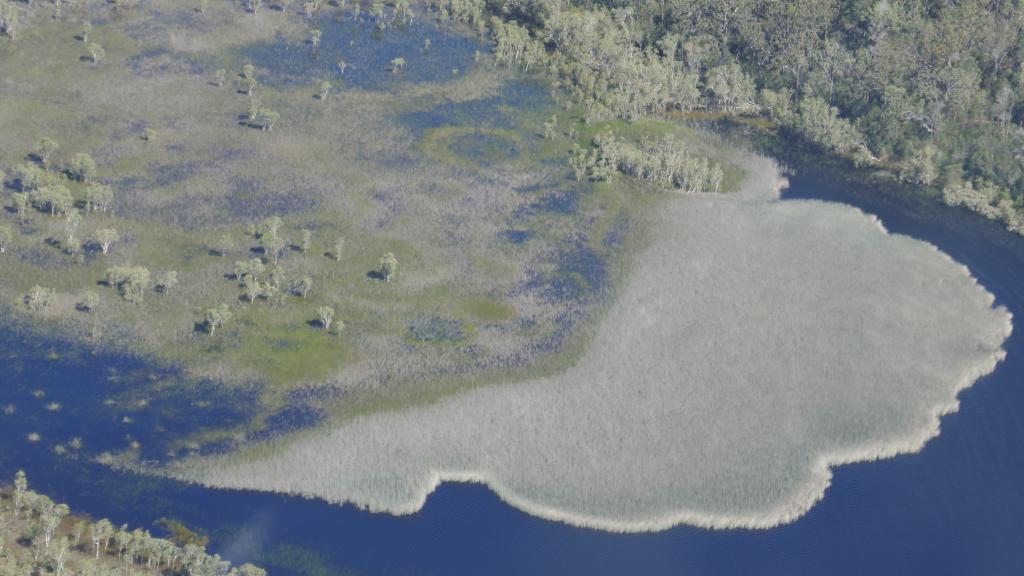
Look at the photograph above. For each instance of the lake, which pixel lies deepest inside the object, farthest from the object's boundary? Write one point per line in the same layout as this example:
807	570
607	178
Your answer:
955	508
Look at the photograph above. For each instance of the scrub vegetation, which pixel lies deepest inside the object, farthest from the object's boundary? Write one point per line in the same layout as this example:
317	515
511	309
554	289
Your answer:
757	343
929	93
41	537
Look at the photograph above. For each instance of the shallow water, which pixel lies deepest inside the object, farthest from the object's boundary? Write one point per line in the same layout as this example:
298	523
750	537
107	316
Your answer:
955	508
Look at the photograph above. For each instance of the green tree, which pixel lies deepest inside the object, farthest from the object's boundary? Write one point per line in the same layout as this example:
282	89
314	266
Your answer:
105	237
223	245
325	314
267	119
255	5
397	64
217	317
130	281
83	167
149	134
387	267
45	149
314	37
83	32
219	77
90	300
21	201
302	286
166	281
98	197
96	52
72	221
39	299
248	71
338	248
20	491
5	238
307	238
325	88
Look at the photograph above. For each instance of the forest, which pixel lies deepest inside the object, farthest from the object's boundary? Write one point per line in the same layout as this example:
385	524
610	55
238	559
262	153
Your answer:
929	93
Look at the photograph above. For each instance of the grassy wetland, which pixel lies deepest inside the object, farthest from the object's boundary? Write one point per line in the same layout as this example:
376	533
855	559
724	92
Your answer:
223	149
460	274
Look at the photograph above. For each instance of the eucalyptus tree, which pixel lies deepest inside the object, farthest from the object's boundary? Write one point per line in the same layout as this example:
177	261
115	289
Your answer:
96	52
325	88
29	176
338	247
397	64
251	570
341	65
314	37
219	77
253	288
249	84
72	221
309	8
223	245
38	298
8	20
252	111
267	119
45	150
5	238
271	225
302	286
217	317
325	315
105	238
130	281
202	5
98	197
248	70
149	134
90	300
307	238
387	267
20	491
166	281
101	532
272	245
255	5
83	167
83	32
21	201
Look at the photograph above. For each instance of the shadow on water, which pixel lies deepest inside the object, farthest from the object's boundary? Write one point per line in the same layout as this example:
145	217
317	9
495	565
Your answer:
367	53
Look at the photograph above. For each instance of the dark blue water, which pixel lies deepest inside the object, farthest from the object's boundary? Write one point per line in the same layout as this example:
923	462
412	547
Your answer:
955	508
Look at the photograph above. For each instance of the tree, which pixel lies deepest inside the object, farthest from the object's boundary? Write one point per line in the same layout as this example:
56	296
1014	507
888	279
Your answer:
45	150
387	267
149	134
223	244
219	77
248	70
105	237
130	281
272	244
325	314
307	237
314	37
267	119
83	167
202	5
253	288
39	299
397	64
96	52
21	202
216	317
5	238
338	247
271	225
90	300
83	32
302	286
255	5
20	491
250	570
325	87
167	281
72	221
98	197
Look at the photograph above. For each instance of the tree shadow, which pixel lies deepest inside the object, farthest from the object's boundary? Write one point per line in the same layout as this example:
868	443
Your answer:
376	275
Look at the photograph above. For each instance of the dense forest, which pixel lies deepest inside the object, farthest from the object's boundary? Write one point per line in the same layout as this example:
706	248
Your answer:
928	91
